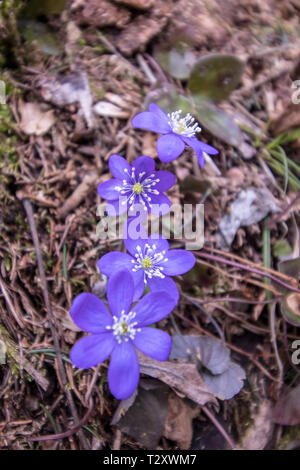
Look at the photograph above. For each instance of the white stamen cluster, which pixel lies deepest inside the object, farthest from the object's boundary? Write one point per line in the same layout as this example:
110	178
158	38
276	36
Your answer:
137	186
150	261
185	126
124	328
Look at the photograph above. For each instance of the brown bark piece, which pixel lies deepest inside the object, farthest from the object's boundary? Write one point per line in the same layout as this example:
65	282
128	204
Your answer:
191	19
139	33
102	13
79	194
144	28
138	4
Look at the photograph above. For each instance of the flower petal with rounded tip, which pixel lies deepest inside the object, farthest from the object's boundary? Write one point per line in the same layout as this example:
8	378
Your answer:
208	149
153	307
166	180
107	189
169	147
123	371
136	208
139	284
160	204
114	261
200	147
179	262
161	243
166	284
154	343
117	165
201	158
144	164
90	314
92	350
132	244
134	230
154	108
151	122
114	208
120	291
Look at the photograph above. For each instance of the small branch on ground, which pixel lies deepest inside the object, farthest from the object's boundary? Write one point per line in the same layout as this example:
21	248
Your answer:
28	208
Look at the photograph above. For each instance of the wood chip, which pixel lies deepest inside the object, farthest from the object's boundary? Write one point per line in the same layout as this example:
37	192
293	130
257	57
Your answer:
79	194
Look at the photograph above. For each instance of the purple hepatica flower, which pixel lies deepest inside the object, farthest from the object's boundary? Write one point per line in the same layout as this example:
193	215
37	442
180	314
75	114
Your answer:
120	333
136	184
177	133
151	263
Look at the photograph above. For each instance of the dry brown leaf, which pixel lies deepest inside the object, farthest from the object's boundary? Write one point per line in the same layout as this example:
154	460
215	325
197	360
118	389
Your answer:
293	303
118	100
34	120
178	425
288	119
104	108
261	429
63	90
249	207
183	377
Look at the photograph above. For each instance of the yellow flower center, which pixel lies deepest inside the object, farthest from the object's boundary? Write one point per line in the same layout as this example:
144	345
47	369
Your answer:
181	127
147	263
138	188
185	126
124	327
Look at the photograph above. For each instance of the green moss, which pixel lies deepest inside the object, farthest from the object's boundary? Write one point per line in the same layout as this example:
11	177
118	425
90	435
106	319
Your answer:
10	43
9	5
5	119
9	161
46	7
100	49
292	434
78	283
32	255
12	353
48	263
24	227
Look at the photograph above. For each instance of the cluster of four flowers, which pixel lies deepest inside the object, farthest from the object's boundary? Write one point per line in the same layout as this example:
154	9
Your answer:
149	262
